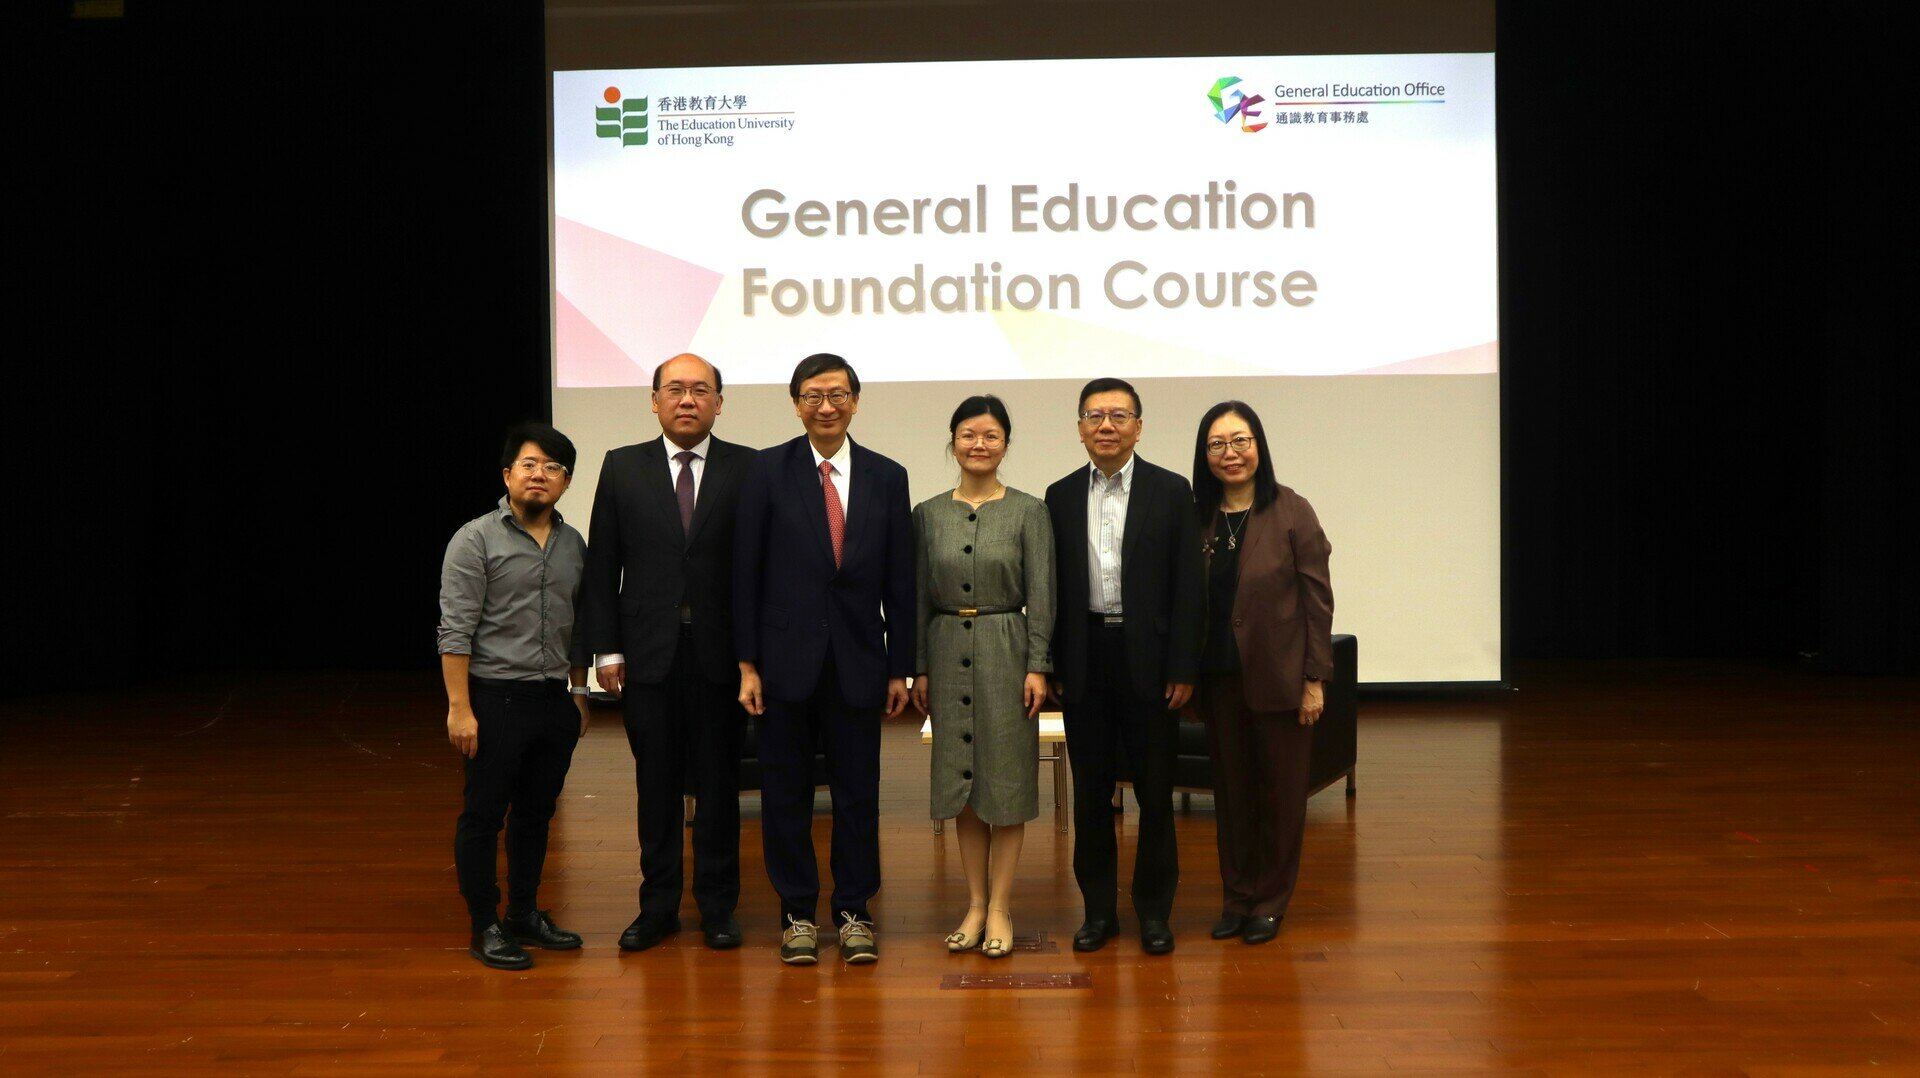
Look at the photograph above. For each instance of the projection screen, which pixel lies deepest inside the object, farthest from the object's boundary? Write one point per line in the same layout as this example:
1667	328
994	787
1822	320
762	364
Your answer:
1314	234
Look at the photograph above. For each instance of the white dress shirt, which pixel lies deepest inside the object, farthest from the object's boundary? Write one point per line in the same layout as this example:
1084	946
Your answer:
842	461
1106	530
699	463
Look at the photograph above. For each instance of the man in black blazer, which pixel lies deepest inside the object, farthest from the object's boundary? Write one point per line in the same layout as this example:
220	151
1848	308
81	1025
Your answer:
657	609
1126	653
823	606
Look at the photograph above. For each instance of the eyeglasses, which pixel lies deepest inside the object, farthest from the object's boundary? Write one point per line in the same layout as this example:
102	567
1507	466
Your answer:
838	398
1120	417
989	439
674	391
527	466
1239	443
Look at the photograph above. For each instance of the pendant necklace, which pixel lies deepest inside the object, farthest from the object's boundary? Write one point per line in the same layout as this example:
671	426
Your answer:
1233	533
984	499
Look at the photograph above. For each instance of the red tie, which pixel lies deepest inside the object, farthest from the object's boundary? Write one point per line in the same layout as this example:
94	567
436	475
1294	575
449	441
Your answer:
836	517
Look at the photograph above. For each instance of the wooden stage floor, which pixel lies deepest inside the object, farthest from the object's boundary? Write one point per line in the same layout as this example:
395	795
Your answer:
1669	867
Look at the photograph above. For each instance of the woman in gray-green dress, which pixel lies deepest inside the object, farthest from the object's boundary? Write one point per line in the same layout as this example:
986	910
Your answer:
984	567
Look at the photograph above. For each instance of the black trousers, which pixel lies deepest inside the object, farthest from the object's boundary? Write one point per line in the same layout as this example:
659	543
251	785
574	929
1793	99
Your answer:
685	734
850	737
1260	764
528	730
1110	715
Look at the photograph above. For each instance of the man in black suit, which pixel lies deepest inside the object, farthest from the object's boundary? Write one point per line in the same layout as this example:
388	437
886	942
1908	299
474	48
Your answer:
1126	653
823	606
657	612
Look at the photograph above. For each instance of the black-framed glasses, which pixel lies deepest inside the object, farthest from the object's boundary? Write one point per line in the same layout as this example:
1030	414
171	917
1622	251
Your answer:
1239	443
1120	417
838	398
527	466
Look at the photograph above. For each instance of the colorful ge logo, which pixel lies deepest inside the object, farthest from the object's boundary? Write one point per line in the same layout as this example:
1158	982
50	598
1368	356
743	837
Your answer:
1235	103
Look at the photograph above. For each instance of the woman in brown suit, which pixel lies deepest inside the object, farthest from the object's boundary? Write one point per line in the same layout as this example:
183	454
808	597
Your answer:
1269	646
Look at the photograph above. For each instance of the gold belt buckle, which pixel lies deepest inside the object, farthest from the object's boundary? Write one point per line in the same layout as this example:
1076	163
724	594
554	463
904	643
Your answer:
968	611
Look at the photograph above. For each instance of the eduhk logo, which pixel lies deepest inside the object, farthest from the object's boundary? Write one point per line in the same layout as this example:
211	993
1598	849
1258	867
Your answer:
624	118
1229	102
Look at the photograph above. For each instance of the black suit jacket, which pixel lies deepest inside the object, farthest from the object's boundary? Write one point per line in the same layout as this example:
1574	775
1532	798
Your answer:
1163	585
791	604
641	566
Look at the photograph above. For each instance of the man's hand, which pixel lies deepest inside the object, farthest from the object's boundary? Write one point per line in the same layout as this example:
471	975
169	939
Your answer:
463	729
1034	693
896	696
920	694
750	690
613	677
1313	703
1178	693
585	704
1057	693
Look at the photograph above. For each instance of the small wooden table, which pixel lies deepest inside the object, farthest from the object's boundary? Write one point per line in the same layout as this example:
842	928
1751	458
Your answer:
1053	732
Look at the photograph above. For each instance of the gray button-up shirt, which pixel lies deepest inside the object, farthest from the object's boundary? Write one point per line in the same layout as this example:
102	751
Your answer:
509	603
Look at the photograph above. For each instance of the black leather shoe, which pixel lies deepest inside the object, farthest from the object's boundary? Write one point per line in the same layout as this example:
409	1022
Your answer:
645	931
1094	935
538	929
1228	926
721	933
1156	937
1261	929
493	948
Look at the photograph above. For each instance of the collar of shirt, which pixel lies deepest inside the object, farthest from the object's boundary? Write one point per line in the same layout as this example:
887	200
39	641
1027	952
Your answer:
506	514
699	451
1097	479
840	460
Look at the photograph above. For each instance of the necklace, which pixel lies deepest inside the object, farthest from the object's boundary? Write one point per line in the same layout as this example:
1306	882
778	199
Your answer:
1233	533
983	499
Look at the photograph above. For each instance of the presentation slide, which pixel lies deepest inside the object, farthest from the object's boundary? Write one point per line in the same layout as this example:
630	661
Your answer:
1225	217
1313	235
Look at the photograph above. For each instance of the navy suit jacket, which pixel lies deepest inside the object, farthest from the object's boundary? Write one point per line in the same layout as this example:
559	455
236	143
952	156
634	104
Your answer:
792	607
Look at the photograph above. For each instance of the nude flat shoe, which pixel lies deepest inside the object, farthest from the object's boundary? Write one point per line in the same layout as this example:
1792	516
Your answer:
959	941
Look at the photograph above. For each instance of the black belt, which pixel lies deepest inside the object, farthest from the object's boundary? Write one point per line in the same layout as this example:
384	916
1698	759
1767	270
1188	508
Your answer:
552	686
1108	621
976	611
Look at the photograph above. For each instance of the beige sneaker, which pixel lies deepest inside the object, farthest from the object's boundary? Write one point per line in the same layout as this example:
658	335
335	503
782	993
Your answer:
800	943
856	940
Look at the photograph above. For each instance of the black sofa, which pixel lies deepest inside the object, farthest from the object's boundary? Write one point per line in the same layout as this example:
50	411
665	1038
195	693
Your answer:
1334	735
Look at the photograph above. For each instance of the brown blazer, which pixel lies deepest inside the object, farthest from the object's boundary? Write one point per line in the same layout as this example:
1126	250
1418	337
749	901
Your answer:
1283	604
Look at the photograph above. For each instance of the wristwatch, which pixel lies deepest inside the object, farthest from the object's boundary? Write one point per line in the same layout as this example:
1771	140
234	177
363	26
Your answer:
579	690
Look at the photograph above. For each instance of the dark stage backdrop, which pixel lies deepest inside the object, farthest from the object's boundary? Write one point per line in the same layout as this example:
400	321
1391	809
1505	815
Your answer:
279	283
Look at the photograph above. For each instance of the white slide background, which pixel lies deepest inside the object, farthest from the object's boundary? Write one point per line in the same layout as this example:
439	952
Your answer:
1402	461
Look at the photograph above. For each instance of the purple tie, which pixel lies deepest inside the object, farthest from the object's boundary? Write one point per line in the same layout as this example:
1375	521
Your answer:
683	489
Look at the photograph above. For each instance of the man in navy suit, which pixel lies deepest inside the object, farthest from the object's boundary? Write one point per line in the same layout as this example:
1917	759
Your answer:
657	612
823	629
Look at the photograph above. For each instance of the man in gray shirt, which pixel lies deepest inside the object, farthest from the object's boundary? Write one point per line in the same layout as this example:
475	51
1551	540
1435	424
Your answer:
516	688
